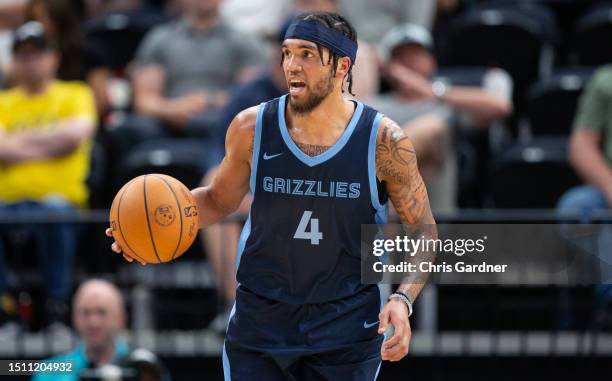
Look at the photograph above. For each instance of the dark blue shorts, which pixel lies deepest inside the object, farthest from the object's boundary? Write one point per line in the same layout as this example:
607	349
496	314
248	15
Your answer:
270	340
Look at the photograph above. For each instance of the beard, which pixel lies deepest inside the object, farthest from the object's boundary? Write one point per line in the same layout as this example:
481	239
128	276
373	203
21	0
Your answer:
319	92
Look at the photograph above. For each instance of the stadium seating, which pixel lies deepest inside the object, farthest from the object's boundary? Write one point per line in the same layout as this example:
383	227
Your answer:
184	159
532	175
591	42
552	102
528	35
97	178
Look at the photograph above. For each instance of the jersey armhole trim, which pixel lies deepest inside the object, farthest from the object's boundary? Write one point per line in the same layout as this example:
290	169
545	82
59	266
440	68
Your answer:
256	145
372	164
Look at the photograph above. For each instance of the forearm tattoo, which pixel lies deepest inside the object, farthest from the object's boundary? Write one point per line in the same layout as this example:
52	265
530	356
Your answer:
396	164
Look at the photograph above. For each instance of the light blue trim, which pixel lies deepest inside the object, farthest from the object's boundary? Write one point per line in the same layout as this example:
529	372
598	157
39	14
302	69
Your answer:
246	230
227	374
256	145
382	304
372	165
382	215
311	161
377	370
244	236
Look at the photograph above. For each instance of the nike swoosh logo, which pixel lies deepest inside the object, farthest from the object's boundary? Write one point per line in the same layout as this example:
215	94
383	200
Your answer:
369	325
268	157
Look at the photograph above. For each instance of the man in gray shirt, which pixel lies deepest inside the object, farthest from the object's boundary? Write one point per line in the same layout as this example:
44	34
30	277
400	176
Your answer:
183	69
427	109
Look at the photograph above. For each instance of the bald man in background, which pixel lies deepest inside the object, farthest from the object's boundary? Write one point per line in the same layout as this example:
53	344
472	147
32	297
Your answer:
98	316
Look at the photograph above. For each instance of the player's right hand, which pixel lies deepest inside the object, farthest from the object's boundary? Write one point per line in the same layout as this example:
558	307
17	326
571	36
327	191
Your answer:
395	313
117	249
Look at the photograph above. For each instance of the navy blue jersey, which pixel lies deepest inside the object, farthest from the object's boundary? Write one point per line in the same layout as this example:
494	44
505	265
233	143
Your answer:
302	241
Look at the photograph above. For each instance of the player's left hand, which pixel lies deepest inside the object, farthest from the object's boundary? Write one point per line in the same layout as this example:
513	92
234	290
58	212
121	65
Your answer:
395	313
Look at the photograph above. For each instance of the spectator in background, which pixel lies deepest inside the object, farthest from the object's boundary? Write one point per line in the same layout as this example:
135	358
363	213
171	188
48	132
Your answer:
99	316
46	128
590	149
183	70
590	153
427	109
80	60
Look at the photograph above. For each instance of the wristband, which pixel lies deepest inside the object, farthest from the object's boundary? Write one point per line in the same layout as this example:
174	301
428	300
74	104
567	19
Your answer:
404	298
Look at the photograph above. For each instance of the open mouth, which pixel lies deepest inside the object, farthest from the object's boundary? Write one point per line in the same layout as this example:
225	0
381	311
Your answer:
296	86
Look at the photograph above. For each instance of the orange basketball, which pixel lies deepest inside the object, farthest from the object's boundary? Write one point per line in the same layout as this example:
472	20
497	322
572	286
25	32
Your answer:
154	218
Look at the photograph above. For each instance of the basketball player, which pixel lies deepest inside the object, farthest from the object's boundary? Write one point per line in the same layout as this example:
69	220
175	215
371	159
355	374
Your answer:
319	166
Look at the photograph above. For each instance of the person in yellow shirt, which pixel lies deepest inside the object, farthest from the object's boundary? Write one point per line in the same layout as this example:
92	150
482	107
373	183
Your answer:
46	128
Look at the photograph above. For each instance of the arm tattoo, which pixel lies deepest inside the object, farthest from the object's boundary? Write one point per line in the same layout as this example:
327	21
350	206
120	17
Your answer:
312	149
397	165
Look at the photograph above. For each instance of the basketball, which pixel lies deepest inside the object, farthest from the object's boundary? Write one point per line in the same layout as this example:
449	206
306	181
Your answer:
154	218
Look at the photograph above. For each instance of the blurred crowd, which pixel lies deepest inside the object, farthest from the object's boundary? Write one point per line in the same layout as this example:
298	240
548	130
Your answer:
94	92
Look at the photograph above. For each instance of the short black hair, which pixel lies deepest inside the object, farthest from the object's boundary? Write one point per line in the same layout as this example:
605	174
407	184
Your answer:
339	23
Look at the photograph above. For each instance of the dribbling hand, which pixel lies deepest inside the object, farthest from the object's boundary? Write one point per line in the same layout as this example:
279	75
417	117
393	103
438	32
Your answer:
117	249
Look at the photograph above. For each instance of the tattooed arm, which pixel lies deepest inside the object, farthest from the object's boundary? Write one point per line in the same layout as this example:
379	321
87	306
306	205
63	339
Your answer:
396	167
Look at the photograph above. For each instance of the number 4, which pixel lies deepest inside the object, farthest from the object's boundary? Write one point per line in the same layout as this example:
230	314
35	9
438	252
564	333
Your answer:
314	235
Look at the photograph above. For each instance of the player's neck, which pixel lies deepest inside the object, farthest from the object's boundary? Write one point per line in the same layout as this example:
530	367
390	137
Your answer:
334	111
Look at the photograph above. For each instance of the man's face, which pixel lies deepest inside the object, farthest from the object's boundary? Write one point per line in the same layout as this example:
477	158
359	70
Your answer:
98	316
416	58
309	81
34	65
